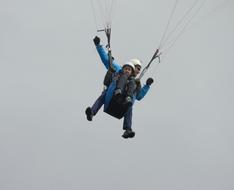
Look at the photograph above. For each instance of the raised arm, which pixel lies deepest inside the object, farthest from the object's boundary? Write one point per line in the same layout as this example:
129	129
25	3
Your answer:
104	55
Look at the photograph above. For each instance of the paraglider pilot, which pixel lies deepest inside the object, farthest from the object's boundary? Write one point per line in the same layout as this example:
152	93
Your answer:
134	89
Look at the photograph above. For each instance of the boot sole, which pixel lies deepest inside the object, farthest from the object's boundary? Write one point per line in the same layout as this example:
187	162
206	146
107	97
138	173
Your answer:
131	135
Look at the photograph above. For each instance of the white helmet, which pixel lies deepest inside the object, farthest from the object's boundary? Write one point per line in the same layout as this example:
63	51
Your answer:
136	62
130	64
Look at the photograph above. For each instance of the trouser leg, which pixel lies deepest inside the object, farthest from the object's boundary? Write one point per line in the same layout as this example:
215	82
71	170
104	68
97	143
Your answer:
131	87
98	103
121	82
127	122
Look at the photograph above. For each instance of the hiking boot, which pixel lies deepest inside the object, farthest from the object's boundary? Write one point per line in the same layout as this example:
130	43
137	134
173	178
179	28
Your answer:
89	114
128	134
131	134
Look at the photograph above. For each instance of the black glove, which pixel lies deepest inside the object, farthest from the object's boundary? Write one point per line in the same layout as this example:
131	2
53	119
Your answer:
149	81
96	40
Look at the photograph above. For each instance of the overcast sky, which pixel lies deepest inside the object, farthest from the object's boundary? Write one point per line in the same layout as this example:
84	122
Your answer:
50	72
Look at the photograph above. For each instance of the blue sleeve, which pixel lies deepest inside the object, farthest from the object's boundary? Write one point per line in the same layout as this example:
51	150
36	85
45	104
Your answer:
105	59
142	92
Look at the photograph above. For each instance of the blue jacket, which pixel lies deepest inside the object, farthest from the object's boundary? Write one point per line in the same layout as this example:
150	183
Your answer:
105	60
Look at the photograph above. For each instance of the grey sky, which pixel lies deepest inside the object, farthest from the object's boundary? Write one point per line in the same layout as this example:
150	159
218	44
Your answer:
50	72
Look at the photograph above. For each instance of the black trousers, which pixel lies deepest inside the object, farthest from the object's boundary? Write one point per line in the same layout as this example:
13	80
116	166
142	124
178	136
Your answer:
126	84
